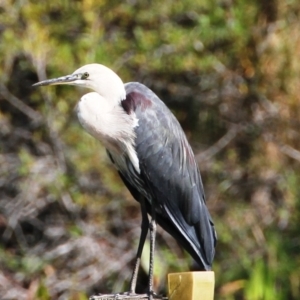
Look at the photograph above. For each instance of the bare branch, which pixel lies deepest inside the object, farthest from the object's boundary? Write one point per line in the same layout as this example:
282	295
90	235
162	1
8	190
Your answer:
219	145
53	134
20	105
289	151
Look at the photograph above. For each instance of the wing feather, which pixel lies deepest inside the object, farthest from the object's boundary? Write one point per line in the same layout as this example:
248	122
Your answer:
169	174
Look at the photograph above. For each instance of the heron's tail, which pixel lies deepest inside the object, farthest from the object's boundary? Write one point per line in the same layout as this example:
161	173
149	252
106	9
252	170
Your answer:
207	236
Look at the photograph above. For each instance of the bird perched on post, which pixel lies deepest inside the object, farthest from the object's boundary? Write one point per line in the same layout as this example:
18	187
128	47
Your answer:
148	147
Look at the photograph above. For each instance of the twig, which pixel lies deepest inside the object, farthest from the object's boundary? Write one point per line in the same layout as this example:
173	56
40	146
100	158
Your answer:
219	145
53	134
20	105
56	142
289	151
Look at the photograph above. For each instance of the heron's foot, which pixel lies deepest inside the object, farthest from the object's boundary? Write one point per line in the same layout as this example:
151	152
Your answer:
128	296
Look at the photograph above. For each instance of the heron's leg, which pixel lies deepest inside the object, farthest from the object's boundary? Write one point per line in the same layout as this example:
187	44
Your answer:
144	230
152	228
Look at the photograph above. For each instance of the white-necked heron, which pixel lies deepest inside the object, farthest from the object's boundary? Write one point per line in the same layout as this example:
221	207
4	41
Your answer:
148	147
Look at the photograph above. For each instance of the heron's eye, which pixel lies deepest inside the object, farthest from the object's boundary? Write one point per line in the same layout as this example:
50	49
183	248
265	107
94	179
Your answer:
85	75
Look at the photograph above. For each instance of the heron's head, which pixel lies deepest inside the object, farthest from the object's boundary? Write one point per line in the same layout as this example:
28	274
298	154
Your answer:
93	76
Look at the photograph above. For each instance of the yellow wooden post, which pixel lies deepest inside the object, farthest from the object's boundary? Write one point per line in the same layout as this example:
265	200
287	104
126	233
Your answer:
191	286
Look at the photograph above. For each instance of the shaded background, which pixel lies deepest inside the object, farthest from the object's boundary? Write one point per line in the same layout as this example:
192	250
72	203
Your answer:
229	70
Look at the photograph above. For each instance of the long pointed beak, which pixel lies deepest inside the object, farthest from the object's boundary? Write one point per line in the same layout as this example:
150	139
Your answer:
60	80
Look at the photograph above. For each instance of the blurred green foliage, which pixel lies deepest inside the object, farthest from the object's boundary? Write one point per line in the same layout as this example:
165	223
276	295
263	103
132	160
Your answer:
229	70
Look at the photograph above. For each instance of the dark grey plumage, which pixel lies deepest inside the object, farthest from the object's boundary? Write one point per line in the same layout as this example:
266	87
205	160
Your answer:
169	179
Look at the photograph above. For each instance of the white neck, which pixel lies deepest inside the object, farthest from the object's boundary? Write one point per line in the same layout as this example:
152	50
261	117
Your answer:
106	121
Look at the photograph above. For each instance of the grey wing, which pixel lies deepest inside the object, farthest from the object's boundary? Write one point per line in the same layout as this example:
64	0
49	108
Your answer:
171	176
